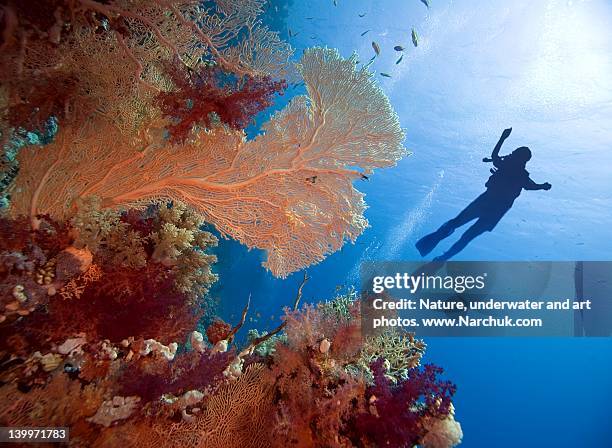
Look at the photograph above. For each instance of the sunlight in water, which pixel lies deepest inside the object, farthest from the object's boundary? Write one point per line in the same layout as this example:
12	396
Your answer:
569	69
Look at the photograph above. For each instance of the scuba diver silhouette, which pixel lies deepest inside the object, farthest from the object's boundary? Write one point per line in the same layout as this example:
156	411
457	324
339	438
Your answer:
509	177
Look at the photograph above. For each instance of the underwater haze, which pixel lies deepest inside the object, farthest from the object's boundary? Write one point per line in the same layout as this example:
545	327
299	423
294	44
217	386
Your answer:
542	68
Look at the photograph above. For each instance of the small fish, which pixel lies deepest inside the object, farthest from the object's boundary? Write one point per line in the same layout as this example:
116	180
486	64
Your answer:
415	38
365	32
309	18
370	62
386	75
362	15
290	33
425	2
399	60
335	2
398	48
376	48
363	176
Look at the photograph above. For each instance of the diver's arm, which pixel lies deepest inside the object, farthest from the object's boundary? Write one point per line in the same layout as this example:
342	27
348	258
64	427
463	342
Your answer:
495	154
531	185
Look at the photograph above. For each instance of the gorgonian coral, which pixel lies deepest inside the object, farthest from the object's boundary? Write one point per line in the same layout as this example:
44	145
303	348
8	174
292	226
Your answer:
289	191
72	58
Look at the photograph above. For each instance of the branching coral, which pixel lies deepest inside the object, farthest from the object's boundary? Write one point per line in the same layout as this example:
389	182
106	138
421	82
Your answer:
400	351
180	242
103	232
259	192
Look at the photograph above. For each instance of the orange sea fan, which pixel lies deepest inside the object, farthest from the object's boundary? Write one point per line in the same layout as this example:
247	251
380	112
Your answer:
237	415
288	192
61	402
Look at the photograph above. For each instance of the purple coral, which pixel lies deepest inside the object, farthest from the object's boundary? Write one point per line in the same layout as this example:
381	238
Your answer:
396	411
188	371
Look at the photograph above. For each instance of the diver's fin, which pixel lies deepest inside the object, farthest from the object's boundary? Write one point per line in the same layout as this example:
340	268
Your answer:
429	242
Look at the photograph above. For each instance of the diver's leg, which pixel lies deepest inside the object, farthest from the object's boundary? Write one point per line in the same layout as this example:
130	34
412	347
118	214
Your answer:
471	212
478	228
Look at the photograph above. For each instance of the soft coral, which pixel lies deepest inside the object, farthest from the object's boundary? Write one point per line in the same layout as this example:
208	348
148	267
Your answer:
210	90
395	419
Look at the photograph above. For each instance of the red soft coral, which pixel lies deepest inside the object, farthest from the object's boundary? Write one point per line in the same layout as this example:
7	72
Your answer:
151	308
188	371
397	412
217	331
200	94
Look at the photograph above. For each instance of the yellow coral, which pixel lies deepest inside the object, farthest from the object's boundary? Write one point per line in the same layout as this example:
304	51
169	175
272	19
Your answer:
102	232
180	243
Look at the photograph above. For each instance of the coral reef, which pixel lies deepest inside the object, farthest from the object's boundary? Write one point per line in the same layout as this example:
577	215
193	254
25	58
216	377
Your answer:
291	386
122	126
257	192
99	289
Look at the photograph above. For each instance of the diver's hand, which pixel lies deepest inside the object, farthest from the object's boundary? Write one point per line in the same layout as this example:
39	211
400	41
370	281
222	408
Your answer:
506	133
546	186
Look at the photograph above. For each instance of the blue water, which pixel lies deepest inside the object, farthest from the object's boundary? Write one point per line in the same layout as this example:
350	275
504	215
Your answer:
543	68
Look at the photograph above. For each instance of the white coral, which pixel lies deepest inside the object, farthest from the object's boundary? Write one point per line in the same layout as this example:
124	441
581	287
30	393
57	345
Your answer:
152	346
442	433
71	345
197	341
119	408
